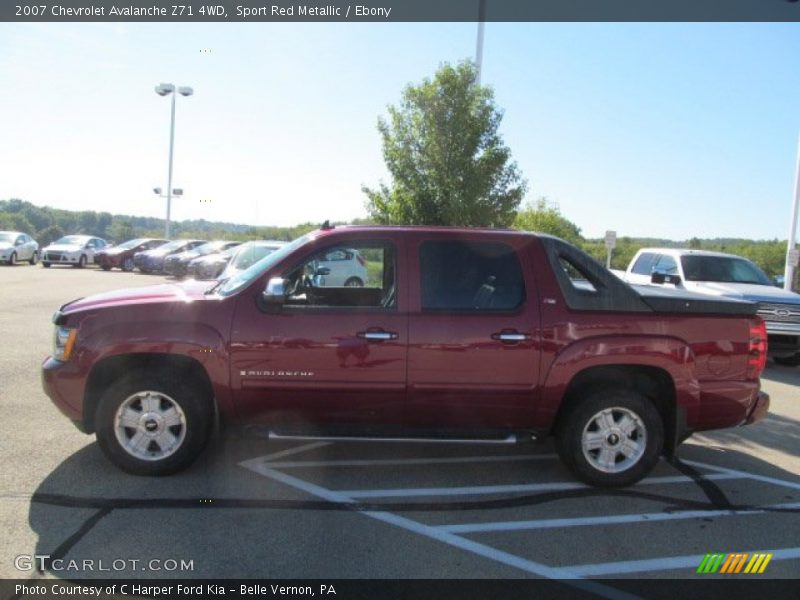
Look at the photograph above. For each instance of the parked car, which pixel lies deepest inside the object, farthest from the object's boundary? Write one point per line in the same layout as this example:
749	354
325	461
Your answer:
152	261
75	250
248	254
726	275
211	265
340	267
177	264
17	246
459	332
122	256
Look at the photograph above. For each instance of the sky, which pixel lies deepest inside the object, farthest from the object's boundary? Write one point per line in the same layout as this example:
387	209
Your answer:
648	129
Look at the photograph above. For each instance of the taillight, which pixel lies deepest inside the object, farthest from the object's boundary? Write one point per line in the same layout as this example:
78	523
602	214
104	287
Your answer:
757	349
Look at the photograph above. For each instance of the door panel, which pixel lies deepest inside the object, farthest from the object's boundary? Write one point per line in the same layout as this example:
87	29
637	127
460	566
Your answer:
476	365
317	364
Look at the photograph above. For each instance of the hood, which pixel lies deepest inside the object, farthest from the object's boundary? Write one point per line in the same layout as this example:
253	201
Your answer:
64	247
186	292
6	245
744	291
113	251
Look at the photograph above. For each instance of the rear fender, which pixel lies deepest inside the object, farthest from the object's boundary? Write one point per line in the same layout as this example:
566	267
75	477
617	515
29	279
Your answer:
669	354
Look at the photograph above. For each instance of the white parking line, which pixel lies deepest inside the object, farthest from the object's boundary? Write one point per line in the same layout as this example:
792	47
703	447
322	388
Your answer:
510	489
408	461
607	520
287	452
494	554
659	564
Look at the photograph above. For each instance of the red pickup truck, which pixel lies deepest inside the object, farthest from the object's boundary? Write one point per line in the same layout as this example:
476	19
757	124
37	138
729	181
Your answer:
457	333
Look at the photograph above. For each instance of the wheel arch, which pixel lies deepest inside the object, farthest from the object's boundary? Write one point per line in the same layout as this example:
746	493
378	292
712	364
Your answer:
654	383
109	369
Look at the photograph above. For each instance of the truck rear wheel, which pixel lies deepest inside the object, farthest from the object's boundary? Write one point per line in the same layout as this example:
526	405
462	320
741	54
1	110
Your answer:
613	438
153	423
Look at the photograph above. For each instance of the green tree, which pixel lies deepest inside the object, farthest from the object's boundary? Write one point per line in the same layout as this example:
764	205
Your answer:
48	235
15	221
121	231
447	160
545	217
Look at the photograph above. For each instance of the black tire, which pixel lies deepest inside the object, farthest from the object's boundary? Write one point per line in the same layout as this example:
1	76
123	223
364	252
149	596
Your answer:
81	262
581	417
187	393
354	282
105	267
34	258
127	264
788	361
12	260
46	265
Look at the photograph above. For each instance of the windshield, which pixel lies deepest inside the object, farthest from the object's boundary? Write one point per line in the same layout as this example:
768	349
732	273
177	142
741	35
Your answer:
130	244
207	248
255	270
722	269
71	240
171	246
7	237
250	254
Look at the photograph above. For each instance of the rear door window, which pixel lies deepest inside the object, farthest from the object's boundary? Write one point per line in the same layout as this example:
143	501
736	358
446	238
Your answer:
470	276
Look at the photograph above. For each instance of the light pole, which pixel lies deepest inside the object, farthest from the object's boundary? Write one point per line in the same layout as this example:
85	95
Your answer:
791	248
164	89
479	43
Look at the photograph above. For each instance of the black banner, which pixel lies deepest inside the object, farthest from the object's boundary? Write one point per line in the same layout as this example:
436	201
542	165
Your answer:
729	588
397	10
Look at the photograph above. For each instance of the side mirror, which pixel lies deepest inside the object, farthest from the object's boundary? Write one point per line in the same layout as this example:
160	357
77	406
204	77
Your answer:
274	295
663	277
322	271
19	242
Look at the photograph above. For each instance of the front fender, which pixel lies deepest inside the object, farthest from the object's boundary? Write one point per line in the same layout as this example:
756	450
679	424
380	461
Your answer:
669	354
197	341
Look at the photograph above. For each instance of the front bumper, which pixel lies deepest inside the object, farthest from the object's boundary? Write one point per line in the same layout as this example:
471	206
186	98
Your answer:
64	385
62	258
107	261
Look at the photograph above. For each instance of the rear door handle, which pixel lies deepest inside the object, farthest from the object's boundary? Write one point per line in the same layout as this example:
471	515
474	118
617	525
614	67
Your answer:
377	336
510	336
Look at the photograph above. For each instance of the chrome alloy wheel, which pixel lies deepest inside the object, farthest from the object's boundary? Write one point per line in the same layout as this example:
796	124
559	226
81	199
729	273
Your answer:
150	425
614	440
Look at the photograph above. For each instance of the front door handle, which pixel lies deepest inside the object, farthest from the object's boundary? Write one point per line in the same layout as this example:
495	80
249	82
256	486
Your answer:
377	335
510	336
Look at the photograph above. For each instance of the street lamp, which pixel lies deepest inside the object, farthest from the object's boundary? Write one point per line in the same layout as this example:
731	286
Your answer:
165	89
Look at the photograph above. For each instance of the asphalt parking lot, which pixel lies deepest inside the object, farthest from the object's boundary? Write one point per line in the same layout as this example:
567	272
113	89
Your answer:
252	507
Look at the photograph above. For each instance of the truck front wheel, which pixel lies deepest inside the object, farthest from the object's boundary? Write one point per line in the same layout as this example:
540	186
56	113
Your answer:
151	423
613	438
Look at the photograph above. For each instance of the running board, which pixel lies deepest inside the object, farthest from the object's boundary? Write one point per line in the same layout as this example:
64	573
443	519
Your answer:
510	439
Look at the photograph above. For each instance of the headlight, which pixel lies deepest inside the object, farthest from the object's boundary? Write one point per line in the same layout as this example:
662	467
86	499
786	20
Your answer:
64	342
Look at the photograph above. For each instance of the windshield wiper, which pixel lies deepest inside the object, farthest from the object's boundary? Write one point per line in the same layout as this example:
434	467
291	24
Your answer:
214	287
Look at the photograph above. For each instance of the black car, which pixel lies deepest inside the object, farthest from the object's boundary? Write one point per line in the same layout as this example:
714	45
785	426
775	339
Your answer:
152	261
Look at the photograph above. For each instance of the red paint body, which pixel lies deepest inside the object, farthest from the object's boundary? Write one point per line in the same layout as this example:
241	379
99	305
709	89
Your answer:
443	370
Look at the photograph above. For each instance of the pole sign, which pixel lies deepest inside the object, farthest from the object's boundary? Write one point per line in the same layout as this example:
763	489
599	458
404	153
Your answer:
793	256
611	240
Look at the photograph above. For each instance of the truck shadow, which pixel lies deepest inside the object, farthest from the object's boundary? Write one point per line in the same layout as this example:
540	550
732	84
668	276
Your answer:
215	512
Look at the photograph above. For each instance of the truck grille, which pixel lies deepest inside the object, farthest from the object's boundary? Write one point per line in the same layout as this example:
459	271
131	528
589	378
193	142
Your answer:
785	313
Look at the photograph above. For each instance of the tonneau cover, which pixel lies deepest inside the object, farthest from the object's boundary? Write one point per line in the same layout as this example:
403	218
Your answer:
665	300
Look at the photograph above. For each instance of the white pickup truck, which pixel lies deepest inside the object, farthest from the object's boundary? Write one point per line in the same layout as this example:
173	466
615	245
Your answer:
730	276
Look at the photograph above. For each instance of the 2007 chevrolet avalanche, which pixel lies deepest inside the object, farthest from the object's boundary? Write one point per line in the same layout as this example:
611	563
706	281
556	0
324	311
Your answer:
456	332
